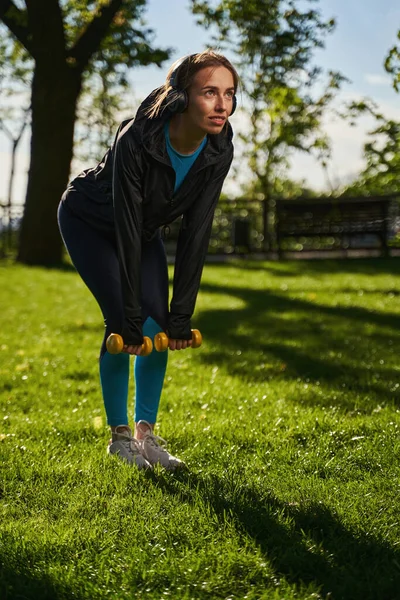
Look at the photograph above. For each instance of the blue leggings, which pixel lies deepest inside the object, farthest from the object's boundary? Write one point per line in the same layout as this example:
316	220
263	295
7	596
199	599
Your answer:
93	252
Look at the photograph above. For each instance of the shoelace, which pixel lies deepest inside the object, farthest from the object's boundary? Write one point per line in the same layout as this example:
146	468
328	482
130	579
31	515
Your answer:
131	444
154	440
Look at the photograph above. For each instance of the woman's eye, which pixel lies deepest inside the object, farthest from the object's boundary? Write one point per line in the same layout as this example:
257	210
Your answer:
210	92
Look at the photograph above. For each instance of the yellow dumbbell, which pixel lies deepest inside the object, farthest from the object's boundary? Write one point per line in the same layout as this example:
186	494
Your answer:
161	340
115	344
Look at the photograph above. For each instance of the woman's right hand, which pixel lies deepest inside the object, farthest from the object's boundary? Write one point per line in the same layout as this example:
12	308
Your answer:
136	350
179	344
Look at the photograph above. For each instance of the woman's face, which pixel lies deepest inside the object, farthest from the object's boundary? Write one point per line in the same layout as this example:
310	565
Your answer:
210	99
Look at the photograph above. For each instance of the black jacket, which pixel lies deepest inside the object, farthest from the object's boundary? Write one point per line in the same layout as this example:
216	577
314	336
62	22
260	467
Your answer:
132	189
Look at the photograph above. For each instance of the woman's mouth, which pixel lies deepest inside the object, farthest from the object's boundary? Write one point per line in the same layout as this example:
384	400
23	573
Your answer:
218	120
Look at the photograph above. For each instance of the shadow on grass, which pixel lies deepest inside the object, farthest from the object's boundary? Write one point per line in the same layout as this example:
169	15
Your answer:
65	265
313	546
19	581
292	268
291	338
79	327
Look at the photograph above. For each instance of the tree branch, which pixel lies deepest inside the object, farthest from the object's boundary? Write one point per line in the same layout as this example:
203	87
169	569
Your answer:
89	41
45	21
16	21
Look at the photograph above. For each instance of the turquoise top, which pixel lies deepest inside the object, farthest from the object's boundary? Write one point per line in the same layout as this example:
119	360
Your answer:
181	162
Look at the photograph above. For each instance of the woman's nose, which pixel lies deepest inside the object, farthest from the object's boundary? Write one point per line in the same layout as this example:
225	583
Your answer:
222	103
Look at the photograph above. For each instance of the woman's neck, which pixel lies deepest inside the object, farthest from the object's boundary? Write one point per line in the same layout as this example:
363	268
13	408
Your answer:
183	138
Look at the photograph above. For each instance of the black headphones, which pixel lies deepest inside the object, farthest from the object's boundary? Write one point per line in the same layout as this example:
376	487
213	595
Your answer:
179	99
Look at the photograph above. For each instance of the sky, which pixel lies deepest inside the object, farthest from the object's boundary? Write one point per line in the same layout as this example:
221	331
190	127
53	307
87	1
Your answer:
365	30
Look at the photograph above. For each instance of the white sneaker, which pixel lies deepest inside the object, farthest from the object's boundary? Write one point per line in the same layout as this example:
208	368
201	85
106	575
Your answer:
127	447
155	453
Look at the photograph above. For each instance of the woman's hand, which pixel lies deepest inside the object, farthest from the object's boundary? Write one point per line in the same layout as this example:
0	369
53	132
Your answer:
137	350
179	344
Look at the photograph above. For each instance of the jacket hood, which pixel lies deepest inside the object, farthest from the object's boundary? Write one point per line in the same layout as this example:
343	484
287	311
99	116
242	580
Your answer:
151	133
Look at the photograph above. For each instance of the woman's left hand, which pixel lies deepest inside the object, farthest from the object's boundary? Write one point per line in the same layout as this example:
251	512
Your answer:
179	344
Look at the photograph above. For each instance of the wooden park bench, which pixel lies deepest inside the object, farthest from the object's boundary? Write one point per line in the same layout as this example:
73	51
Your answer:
360	223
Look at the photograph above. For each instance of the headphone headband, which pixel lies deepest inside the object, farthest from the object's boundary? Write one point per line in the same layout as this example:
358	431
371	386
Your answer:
173	78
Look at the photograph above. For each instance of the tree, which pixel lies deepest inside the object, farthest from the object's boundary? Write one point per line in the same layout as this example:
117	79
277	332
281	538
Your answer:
273	42
392	64
67	40
288	121
14	118
103	103
14	133
381	174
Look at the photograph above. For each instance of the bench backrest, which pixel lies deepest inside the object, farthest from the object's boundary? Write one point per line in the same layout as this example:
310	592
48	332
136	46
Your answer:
316	217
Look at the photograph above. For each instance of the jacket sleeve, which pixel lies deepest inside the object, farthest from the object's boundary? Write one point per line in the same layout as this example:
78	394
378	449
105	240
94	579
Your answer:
127	196
194	237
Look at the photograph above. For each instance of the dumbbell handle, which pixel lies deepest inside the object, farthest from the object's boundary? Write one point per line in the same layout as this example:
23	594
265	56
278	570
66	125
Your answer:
115	344
161	340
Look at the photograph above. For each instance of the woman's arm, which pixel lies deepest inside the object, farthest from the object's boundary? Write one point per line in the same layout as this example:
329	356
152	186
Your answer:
127	194
194	237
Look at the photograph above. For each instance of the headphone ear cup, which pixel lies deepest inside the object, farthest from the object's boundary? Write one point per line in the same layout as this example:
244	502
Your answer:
234	105
178	102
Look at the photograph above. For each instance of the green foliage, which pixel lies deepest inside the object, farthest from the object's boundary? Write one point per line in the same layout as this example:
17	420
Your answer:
127	43
287	418
274	44
283	187
15	63
15	76
275	38
103	103
381	174
284	121
392	64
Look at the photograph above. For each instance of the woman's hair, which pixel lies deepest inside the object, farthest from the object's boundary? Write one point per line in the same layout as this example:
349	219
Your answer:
184	71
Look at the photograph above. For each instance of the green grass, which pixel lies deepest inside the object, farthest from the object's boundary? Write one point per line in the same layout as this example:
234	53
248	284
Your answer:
287	417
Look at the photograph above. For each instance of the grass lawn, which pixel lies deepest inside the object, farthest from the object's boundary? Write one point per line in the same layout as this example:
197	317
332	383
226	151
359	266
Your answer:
287	417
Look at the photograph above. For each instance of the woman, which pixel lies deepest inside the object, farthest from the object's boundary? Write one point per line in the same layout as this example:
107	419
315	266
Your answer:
168	162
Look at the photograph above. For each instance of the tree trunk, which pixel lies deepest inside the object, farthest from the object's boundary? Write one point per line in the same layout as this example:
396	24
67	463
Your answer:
55	93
